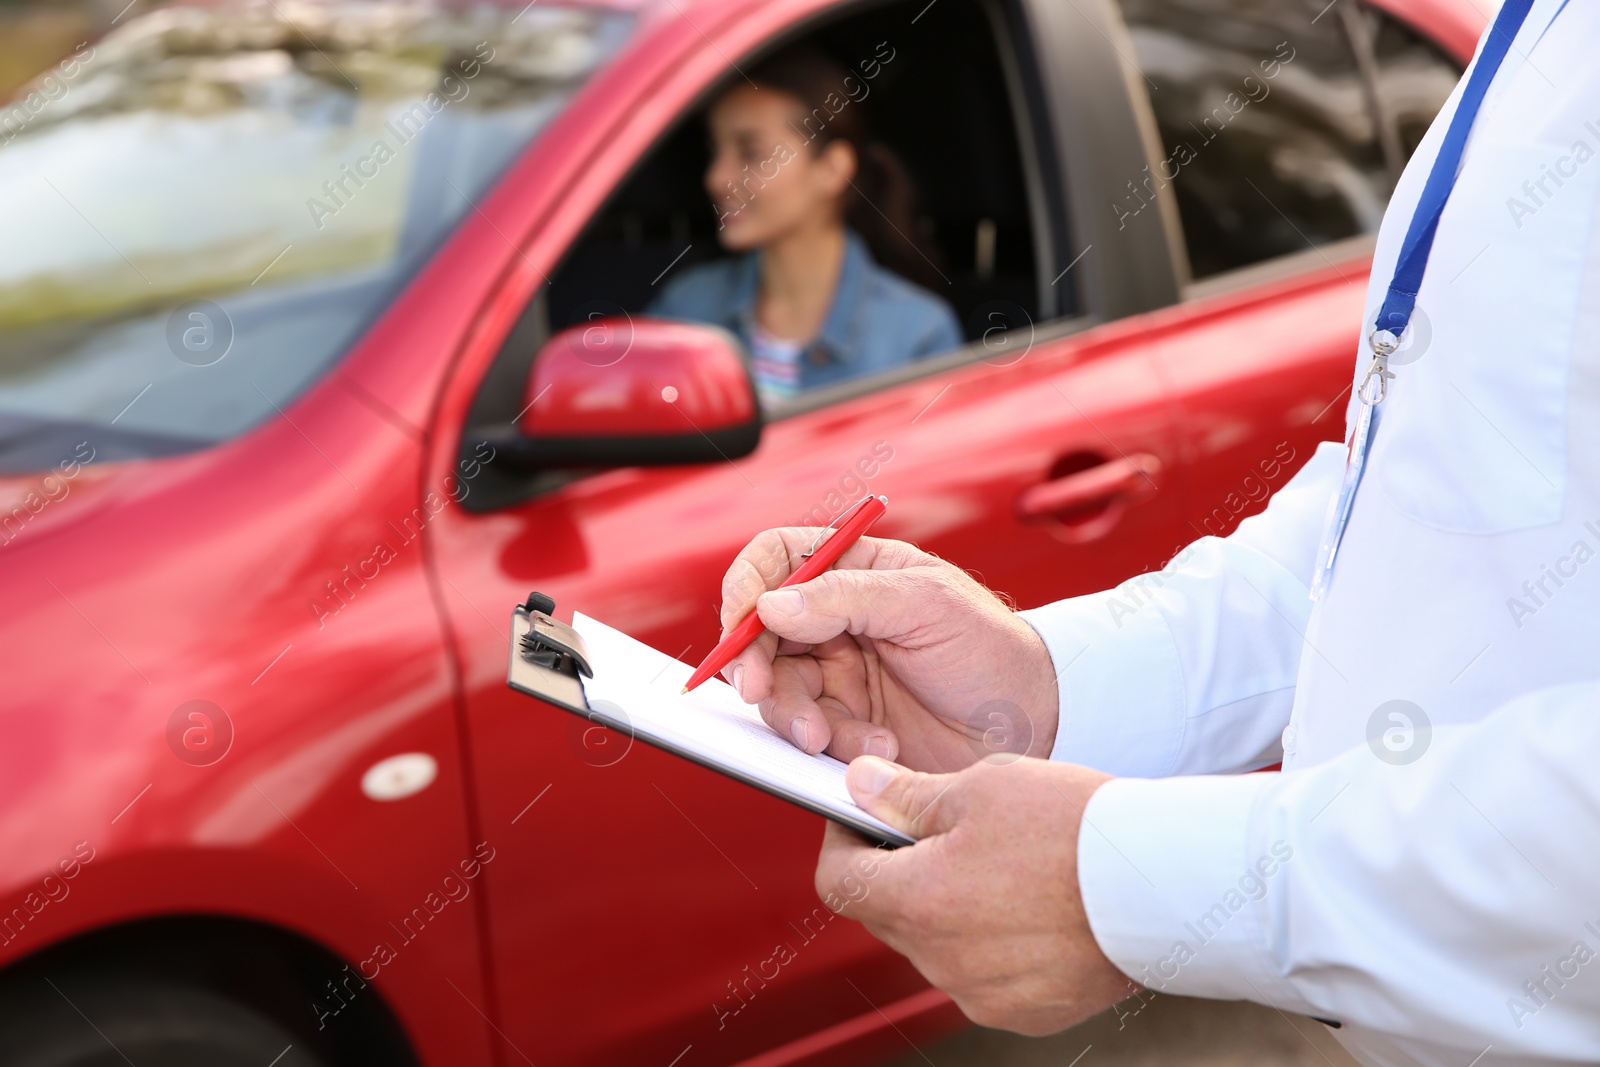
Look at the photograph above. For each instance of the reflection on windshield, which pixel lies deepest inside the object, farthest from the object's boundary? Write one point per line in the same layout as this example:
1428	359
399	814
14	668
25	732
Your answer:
205	211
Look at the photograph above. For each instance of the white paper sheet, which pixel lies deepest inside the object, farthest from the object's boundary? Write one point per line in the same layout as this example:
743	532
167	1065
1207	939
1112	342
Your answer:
711	722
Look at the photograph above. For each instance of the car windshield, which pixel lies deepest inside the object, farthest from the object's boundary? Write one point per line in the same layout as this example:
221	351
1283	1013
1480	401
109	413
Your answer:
206	207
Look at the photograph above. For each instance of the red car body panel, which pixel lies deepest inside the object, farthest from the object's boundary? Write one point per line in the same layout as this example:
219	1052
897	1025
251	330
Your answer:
188	579
249	575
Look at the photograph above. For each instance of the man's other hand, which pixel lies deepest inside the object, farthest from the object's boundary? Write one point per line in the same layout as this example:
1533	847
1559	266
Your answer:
986	903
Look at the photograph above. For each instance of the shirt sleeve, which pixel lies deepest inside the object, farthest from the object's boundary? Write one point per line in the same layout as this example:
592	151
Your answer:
1328	891
1191	669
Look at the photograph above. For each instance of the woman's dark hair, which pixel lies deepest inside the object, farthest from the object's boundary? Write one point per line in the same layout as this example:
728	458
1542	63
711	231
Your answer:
882	205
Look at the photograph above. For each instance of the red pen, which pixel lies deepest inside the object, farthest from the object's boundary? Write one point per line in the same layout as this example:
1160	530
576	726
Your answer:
818	560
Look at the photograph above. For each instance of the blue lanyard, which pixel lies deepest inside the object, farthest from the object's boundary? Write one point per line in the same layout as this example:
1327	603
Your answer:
1401	297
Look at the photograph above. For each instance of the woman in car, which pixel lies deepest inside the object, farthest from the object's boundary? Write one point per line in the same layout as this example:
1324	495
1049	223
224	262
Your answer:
813	206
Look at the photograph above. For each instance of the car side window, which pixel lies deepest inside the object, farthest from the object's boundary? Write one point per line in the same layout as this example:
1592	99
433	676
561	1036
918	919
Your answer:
1283	126
957	262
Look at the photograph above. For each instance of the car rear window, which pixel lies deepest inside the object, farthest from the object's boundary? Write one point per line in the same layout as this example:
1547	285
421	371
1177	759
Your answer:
204	208
1283	123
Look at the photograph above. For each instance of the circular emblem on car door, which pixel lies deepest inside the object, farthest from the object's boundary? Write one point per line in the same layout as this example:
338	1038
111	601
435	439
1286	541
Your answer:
399	776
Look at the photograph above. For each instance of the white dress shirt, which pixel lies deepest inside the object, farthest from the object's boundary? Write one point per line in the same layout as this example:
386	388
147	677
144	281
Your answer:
1424	873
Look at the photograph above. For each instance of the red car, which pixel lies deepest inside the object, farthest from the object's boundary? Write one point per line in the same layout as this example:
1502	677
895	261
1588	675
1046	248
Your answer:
321	346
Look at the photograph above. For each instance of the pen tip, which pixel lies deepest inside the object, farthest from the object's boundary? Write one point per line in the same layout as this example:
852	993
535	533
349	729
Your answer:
682	691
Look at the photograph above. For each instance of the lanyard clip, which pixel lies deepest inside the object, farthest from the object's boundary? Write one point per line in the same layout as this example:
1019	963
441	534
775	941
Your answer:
1375	383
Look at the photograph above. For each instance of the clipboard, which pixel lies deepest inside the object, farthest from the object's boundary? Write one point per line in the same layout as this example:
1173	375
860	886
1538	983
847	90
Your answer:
549	662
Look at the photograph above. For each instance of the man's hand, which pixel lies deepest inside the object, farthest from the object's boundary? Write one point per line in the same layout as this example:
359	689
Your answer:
986	904
893	653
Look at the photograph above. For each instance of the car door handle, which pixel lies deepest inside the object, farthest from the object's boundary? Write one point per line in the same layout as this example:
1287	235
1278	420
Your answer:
1127	479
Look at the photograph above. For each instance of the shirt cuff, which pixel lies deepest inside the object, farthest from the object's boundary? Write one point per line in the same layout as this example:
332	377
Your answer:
1179	889
1122	698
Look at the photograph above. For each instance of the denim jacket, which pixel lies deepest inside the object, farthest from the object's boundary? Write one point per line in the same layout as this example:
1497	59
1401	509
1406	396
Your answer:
877	320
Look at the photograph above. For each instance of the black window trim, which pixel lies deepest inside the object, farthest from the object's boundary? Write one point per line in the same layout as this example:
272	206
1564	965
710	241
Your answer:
1105	134
1040	155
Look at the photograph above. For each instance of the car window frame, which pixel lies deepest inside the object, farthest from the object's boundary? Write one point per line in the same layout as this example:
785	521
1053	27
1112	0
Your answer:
1105	134
1082	151
1040	156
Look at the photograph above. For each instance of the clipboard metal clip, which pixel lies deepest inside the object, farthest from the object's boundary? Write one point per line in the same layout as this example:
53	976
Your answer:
551	644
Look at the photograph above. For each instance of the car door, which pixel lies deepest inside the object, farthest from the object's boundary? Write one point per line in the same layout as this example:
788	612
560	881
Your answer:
641	905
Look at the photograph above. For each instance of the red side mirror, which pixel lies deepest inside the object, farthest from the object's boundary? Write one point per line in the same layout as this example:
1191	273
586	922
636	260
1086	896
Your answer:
637	392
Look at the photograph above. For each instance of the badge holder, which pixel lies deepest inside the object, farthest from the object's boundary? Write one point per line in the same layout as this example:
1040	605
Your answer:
1373	388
